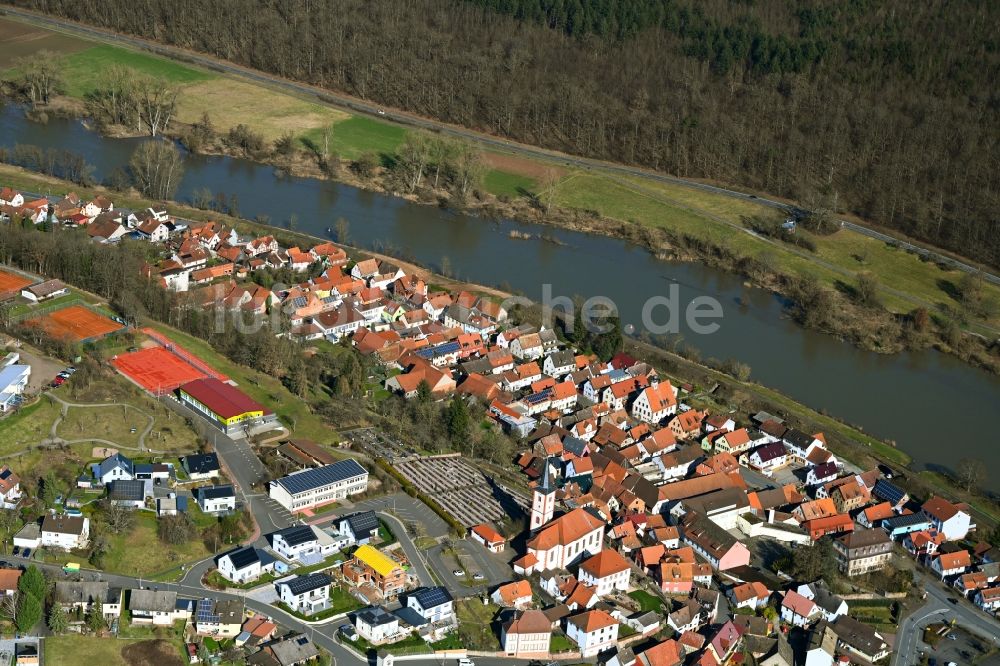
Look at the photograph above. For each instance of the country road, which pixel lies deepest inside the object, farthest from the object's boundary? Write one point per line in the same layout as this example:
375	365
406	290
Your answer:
347	102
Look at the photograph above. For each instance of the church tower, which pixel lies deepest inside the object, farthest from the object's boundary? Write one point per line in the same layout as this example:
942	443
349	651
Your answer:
543	503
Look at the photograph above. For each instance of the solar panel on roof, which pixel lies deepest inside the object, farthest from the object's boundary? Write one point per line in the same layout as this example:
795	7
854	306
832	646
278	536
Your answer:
205	612
888	492
297	535
537	398
300	301
243	557
303	584
364	522
321	476
432	597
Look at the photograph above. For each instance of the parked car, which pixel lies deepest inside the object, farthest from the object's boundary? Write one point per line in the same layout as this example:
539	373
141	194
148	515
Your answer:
458	572
26	553
348	631
478	576
17	550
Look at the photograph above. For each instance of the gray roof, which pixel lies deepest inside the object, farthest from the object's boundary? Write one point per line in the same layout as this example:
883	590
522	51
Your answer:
376	616
117	460
362	523
303	584
310	479
150	600
82	592
294	650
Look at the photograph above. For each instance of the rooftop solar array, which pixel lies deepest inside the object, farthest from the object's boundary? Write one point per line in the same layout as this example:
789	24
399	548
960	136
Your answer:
363	522
243	557
888	492
311	479
206	612
297	535
215	492
431	597
303	584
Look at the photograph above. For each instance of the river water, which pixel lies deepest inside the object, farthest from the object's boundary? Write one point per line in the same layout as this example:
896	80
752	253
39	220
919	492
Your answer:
933	406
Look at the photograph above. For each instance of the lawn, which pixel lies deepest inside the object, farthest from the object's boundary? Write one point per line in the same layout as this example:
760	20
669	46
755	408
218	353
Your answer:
341	601
76	649
265	389
140	551
26	308
503	183
412	644
85	70
560	643
357	135
111	423
28	427
475	624
230	102
647	602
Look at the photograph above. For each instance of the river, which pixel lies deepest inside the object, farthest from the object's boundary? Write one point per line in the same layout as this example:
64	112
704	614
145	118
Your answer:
932	405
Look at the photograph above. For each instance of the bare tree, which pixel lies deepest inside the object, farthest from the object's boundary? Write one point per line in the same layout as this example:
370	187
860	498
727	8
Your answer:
971	472
118	517
156	168
42	75
9	606
157	102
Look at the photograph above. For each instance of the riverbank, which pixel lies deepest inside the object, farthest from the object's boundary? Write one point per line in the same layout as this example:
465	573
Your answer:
690	226
746	396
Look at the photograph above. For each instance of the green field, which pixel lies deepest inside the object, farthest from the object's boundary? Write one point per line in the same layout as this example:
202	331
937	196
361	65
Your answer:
358	135
502	183
76	649
85	69
647	602
27	427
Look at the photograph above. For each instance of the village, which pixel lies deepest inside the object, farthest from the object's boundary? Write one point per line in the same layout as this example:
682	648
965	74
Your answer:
645	529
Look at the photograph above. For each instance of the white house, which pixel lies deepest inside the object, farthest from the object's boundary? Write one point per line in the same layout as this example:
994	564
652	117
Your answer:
376	625
159	608
829	604
988	599
768	458
359	528
244	564
559	364
153	230
593	631
44	291
606	571
820	474
752	595
303	542
951	520
526	635
201	466
306	594
434	604
65	532
10	488
114	468
797	609
215	499
951	564
655	403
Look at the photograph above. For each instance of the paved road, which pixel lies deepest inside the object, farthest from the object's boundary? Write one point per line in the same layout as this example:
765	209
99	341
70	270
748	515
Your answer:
340	100
938	609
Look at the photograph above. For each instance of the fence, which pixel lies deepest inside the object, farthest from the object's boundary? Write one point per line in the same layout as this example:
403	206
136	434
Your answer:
179	351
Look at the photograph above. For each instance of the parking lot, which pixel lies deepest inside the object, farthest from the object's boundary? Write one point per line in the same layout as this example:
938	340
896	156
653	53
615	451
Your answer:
961	647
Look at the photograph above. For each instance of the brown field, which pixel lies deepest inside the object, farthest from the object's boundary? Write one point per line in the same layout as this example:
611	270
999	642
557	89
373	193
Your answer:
152	653
20	39
522	166
12	282
229	102
77	323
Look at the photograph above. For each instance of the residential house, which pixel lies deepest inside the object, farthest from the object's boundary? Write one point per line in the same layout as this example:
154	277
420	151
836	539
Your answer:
862	551
434	604
594	631
307	594
722	550
768	458
860	639
606	572
988	599
797	609
371	566
80	596
10	488
724	643
306	544
513	595
360	528
287	652
376	625
8	581
244	565
751	595
113	468
159	608
65	532
951	564
951	520
829	604
221	618
655	403
215	499
526	634
201	466
129	493
822	474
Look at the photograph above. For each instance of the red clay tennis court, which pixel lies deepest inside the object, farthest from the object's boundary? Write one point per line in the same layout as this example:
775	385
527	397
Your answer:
157	369
12	283
77	322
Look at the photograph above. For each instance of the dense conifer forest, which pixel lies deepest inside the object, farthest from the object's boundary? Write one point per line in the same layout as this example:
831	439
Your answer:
884	109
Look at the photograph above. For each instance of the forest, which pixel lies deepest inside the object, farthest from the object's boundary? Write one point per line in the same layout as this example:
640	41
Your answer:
883	110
